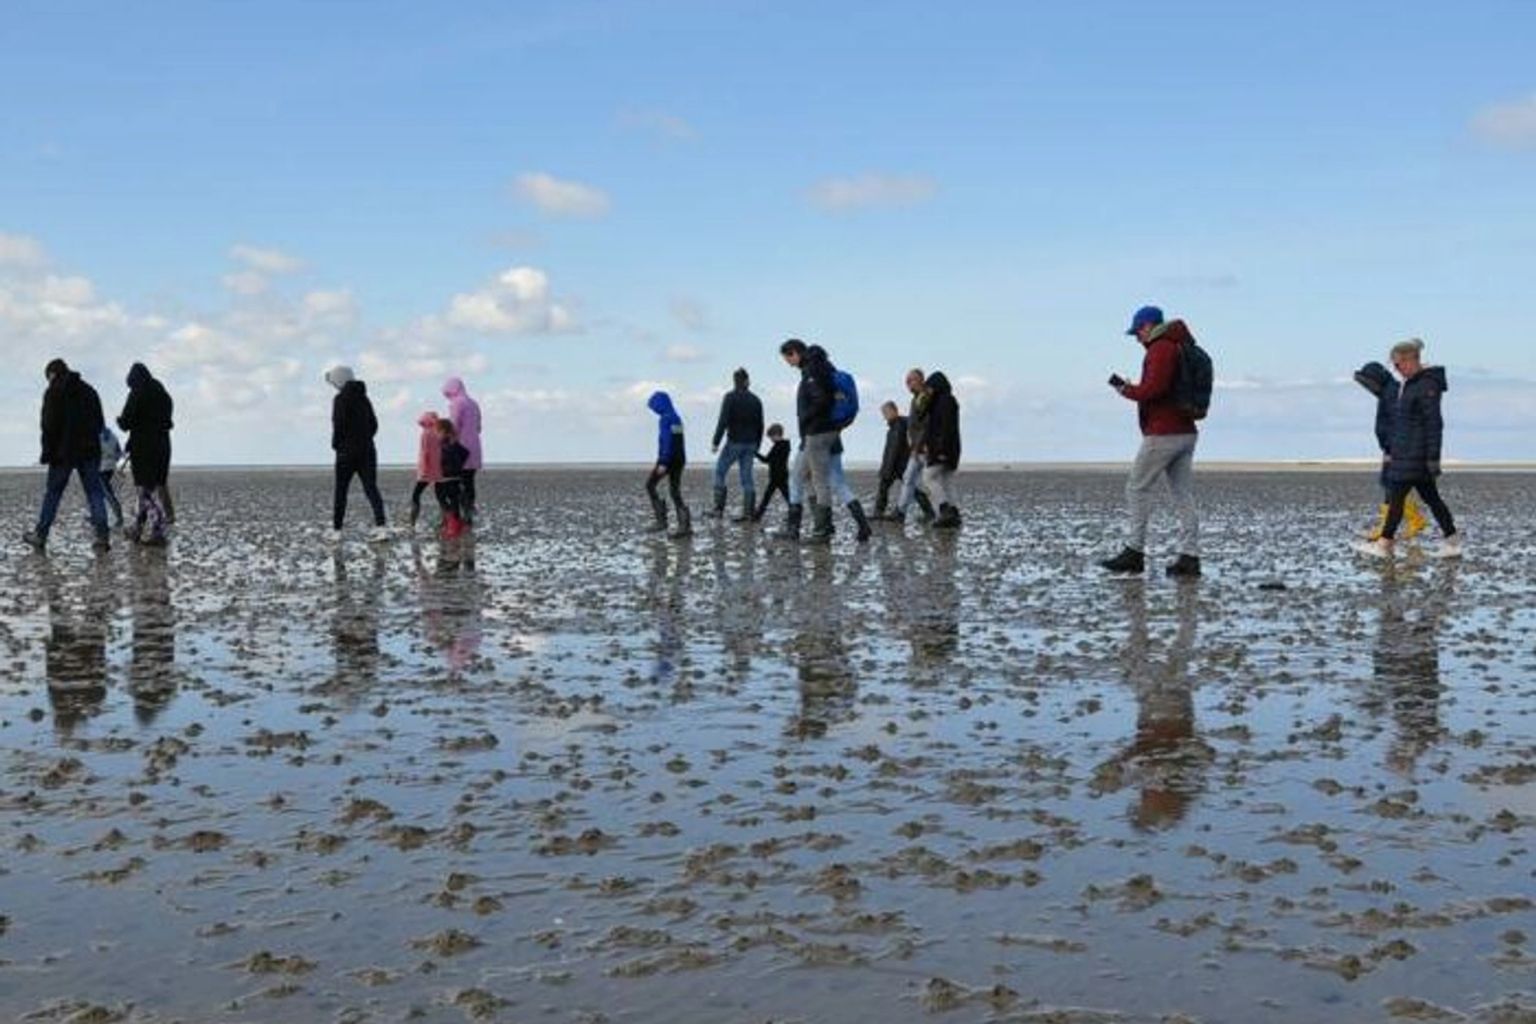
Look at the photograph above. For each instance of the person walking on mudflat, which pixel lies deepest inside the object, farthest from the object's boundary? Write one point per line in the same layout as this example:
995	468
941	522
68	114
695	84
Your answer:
671	457
1168	443
353	426
893	458
741	425
146	416
71	446
464	412
1378	380
1413	454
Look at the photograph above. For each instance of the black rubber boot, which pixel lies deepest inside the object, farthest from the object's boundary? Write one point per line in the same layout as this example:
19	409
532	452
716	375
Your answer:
102	544
718	511
949	518
684	524
1185	566
659	511
925	506
1129	561
791	528
821	525
857	511
748	503
34	540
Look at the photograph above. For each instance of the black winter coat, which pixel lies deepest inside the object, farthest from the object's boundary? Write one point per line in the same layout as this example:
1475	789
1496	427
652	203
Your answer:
1417	428
71	422
941	437
898	450
813	402
353	424
147	418
777	460
741	418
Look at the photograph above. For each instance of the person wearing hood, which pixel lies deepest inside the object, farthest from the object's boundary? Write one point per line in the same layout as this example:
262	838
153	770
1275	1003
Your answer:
671	457
429	462
465	414
1378	380
71	446
941	449
353	426
1413	449
817	464
741	425
146	416
1167	445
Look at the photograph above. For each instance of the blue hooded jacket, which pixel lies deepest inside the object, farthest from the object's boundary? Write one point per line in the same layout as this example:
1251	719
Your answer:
1417	427
669	431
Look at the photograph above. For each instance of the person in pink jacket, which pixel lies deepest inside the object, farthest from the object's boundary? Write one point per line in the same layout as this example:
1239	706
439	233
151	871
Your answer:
429	461
465	414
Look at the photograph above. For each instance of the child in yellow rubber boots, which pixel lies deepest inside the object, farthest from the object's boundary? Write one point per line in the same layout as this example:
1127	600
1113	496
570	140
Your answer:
1378	380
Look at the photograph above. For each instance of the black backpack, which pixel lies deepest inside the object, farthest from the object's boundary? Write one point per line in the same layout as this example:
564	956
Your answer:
1193	381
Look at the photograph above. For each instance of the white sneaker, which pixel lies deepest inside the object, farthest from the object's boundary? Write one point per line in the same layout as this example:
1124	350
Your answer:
1379	548
1450	547
336	537
379	535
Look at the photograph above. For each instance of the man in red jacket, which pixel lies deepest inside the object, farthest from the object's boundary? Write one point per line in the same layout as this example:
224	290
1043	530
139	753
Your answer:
1167	445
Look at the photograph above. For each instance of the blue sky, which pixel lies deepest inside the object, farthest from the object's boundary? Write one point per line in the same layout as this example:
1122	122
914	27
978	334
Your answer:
573	203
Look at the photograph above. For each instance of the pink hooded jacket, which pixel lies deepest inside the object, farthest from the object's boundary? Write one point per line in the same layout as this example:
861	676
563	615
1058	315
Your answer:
429	454
465	413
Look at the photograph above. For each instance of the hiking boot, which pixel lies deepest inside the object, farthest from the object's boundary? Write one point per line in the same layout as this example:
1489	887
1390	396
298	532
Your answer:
821	525
659	523
857	511
949	518
925	506
748	503
1129	560
791	528
684	524
718	511
1185	566
34	540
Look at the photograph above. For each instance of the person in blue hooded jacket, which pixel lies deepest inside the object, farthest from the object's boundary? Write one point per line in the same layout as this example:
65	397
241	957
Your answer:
671	457
1414	440
1378	380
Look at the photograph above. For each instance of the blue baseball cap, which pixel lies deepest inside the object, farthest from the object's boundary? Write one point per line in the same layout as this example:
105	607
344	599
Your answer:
1145	316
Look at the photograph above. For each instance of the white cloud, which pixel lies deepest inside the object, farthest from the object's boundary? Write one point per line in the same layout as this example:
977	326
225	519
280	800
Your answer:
659	123
685	354
266	261
1510	125
517	301
21	251
559	198
843	195
337	305
246	282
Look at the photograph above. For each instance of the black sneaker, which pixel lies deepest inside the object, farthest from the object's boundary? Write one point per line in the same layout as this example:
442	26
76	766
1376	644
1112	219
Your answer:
1129	561
1184	566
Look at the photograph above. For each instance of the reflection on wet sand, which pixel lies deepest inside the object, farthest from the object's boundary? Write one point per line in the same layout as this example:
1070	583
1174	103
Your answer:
75	652
827	682
1405	660
152	660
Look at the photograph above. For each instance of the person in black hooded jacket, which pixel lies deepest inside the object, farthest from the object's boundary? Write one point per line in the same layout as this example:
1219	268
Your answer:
941	449
895	457
71	445
1413	448
353	426
146	416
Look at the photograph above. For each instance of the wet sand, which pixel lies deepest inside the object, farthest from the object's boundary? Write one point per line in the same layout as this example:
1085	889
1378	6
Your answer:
572	772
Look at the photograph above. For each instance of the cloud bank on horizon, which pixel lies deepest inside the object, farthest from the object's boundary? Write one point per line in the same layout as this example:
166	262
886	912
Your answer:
989	194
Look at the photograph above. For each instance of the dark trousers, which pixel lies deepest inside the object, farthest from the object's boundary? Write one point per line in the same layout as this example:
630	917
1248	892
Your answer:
110	493
883	495
1397	495
776	485
450	496
674	477
467	486
53	492
366	470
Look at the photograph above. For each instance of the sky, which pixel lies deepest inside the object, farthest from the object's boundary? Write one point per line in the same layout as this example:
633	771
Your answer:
572	204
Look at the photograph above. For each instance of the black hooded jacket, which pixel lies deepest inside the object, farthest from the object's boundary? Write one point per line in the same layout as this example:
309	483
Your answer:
146	416
898	450
1417	427
71	422
813	402
353	424
941	437
741	418
1377	379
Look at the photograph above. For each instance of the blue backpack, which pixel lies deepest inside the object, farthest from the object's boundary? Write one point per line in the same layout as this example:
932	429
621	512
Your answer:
845	399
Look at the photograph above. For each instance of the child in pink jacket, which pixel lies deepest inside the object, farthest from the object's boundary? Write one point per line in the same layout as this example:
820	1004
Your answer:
429	462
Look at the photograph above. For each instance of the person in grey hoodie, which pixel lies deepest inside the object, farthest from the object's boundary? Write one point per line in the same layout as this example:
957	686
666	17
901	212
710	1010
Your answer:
353	426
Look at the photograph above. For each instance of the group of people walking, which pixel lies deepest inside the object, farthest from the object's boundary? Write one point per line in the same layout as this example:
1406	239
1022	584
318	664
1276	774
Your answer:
919	462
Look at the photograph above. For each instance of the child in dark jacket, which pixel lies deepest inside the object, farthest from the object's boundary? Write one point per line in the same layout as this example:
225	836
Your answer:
450	489
1378	380
777	461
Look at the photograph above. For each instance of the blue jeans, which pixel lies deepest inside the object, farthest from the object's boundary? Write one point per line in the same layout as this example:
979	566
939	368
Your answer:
741	453
53	493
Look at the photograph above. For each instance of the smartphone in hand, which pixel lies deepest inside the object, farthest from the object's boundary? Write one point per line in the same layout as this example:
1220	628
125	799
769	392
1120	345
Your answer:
1116	381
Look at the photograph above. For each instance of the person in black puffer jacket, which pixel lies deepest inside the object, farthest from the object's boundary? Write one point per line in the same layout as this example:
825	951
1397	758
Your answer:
1416	431
1378	380
353	426
941	449
71	445
146	416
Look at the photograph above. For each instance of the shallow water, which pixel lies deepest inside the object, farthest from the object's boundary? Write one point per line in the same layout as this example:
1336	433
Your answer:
572	772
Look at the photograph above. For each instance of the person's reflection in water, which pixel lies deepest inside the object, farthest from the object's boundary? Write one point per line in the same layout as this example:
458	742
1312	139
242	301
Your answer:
355	625
1406	661
936	605
461	602
739	613
75	652
152	661
670	568
827	682
1166	760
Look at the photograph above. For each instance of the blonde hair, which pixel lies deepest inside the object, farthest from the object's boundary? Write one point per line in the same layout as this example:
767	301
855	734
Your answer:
1412	347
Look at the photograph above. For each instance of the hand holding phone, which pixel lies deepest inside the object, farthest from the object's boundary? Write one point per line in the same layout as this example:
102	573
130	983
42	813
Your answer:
1116	381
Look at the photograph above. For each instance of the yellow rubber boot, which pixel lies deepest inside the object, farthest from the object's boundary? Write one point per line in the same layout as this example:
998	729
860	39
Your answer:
1413	519
1374	534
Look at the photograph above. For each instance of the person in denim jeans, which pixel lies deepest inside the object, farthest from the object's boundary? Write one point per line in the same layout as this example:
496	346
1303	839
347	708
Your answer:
71	445
741	425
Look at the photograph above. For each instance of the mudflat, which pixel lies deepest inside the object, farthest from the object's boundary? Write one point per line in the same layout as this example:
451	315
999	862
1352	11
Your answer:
569	771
